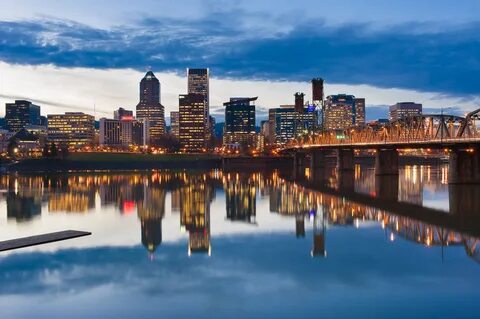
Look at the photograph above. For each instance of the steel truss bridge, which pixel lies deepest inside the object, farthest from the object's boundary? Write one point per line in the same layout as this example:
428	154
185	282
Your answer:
424	131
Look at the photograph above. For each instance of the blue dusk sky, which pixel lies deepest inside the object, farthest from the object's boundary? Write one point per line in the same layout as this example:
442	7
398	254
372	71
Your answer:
77	55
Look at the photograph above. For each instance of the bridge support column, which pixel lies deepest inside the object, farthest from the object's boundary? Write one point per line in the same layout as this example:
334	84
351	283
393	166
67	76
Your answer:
386	187
317	164
464	166
345	160
386	162
346	181
299	165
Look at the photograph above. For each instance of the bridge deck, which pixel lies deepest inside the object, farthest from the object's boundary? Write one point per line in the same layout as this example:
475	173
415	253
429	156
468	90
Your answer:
41	239
403	144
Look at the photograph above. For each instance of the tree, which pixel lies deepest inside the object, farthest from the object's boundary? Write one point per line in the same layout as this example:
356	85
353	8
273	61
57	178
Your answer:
169	142
12	148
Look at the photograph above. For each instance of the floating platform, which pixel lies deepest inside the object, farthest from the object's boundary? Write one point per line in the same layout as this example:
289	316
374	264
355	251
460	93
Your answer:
41	239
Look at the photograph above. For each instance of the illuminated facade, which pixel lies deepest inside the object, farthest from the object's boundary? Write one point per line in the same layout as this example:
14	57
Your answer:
20	114
198	83
285	123
343	111
404	109
175	123
122	114
150	109
360	111
240	121
110	132
193	124
122	131
72	128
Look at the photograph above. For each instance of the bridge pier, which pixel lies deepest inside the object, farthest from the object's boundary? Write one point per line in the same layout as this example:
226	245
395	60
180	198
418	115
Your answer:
464	166
346	181
317	163
299	165
386	162
345	159
386	187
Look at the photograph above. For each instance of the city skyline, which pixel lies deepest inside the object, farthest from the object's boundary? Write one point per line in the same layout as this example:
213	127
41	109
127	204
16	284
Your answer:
92	75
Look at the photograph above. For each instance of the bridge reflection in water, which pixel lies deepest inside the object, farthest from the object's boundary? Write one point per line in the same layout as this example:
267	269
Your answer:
321	199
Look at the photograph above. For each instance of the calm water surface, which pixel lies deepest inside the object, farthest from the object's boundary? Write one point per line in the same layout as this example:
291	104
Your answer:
212	244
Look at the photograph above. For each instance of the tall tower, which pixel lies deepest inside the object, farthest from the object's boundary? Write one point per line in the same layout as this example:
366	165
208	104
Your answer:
198	83
317	98
149	108
299	102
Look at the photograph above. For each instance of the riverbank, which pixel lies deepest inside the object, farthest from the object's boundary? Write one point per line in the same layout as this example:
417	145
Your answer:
117	161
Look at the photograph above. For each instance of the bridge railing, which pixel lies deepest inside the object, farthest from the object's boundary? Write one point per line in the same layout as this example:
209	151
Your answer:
420	129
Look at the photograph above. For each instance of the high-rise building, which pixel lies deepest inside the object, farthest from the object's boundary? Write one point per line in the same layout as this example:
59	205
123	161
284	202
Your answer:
193	124
110	132
299	102
285	123
20	114
404	109
317	90
72	128
121	114
198	83
140	132
125	132
240	121
360	111
149	108
343	111
175	123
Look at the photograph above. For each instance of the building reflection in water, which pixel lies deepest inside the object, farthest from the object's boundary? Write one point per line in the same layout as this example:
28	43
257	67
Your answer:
193	193
240	196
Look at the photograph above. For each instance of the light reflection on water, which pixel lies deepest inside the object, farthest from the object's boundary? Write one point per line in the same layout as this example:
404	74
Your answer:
192	237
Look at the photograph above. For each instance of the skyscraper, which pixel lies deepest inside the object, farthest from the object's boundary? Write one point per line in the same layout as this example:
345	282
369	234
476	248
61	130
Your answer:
149	108
198	83
240	121
20	114
360	111
193	124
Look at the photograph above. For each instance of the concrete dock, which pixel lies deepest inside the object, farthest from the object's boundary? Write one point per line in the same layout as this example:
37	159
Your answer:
41	239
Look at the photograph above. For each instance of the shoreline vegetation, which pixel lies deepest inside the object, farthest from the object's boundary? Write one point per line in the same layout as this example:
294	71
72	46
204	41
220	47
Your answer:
133	161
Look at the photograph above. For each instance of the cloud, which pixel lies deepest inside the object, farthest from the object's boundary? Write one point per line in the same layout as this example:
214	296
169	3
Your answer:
418	56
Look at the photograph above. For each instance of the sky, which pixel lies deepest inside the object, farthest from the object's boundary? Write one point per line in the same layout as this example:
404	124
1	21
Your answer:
90	55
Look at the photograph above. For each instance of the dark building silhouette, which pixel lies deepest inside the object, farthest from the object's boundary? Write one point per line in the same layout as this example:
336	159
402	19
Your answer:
20	114
240	121
317	89
299	102
150	109
122	113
